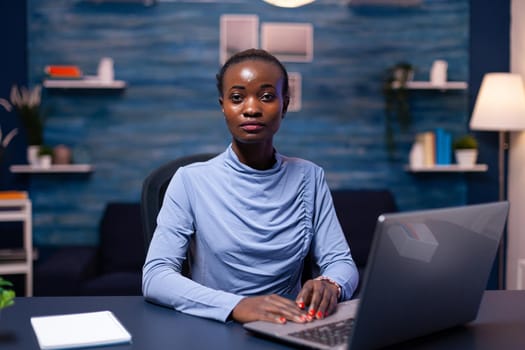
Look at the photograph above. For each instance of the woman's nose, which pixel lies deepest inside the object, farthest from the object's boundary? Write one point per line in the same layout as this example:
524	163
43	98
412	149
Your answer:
251	107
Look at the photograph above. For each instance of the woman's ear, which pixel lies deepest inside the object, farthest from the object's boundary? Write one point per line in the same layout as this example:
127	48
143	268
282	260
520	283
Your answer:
221	102
286	102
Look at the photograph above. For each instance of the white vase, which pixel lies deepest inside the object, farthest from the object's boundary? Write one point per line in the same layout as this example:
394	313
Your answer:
105	70
32	155
417	156
466	158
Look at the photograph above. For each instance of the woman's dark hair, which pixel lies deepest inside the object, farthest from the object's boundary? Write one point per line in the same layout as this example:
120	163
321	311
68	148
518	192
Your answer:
252	55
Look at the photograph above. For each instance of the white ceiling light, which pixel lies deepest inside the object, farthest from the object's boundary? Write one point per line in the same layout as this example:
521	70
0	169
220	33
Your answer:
289	3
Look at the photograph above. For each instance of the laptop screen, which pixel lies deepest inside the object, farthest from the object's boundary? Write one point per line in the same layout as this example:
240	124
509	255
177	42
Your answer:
427	272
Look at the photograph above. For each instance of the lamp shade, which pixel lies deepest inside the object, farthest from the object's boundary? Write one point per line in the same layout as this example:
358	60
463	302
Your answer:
289	3
500	104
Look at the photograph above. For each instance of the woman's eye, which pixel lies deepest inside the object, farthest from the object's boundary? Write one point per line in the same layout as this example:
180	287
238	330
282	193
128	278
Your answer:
268	97
236	97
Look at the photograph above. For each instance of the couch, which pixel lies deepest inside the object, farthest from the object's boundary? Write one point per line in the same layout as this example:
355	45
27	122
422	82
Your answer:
114	266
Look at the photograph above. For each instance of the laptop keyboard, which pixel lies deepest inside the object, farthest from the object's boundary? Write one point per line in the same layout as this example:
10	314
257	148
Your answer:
331	334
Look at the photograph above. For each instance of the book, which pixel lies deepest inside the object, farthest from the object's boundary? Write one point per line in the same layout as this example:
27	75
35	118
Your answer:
447	148
443	147
79	330
13	195
13	254
63	71
428	140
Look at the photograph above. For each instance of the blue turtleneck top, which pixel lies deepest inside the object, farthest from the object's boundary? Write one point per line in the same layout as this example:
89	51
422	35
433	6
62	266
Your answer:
250	231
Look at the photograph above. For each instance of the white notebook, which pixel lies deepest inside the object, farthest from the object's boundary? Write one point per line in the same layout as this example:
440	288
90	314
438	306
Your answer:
79	330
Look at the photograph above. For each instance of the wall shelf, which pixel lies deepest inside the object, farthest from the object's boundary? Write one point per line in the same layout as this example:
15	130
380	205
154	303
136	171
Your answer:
86	83
427	85
12	210
446	168
55	168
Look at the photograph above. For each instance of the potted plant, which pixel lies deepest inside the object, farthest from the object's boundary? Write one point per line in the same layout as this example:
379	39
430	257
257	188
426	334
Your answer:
466	150
26	102
7	295
45	156
396	100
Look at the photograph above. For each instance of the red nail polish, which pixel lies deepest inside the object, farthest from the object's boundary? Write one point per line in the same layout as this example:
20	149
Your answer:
326	314
301	305
319	314
311	312
282	319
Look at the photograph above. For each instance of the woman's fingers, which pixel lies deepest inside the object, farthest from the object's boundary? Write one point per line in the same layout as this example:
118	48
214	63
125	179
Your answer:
318	297
271	308
316	300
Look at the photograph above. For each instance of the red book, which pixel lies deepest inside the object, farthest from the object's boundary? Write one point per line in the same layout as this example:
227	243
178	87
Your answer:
63	71
5	195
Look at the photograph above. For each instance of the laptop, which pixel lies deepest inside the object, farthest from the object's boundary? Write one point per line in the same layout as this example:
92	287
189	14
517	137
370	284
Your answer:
427	271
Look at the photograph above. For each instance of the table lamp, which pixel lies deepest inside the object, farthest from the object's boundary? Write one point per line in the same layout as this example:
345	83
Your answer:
500	106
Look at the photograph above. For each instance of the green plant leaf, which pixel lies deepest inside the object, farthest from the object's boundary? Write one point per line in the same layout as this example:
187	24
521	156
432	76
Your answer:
7	296
466	142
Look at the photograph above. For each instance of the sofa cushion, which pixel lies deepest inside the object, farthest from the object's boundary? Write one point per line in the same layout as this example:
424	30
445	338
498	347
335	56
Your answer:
64	271
121	238
117	283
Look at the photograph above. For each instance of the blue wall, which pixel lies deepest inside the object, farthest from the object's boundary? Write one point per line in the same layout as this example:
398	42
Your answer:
489	52
13	70
169	55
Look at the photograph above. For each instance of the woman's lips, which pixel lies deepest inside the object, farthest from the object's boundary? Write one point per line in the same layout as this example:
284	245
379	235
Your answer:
251	127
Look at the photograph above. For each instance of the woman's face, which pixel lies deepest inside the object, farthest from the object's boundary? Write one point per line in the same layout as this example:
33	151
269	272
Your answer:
252	101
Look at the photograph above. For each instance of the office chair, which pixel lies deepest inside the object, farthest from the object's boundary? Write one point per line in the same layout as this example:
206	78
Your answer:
153	190
154	187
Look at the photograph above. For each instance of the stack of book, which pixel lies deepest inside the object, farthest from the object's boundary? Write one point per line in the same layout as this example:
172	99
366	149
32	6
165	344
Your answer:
432	148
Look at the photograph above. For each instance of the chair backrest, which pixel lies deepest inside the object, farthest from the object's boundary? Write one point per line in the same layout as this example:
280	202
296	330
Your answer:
154	188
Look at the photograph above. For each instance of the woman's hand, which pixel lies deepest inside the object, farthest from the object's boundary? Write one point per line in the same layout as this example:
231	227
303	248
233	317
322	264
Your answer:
272	308
318	298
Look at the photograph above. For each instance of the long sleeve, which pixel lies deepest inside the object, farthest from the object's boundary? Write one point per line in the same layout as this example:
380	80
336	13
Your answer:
329	244
163	282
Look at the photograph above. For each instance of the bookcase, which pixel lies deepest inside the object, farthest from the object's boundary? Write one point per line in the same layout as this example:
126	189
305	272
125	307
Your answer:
19	261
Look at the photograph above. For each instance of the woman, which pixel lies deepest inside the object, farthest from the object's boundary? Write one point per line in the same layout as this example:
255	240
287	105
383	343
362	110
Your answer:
250	215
